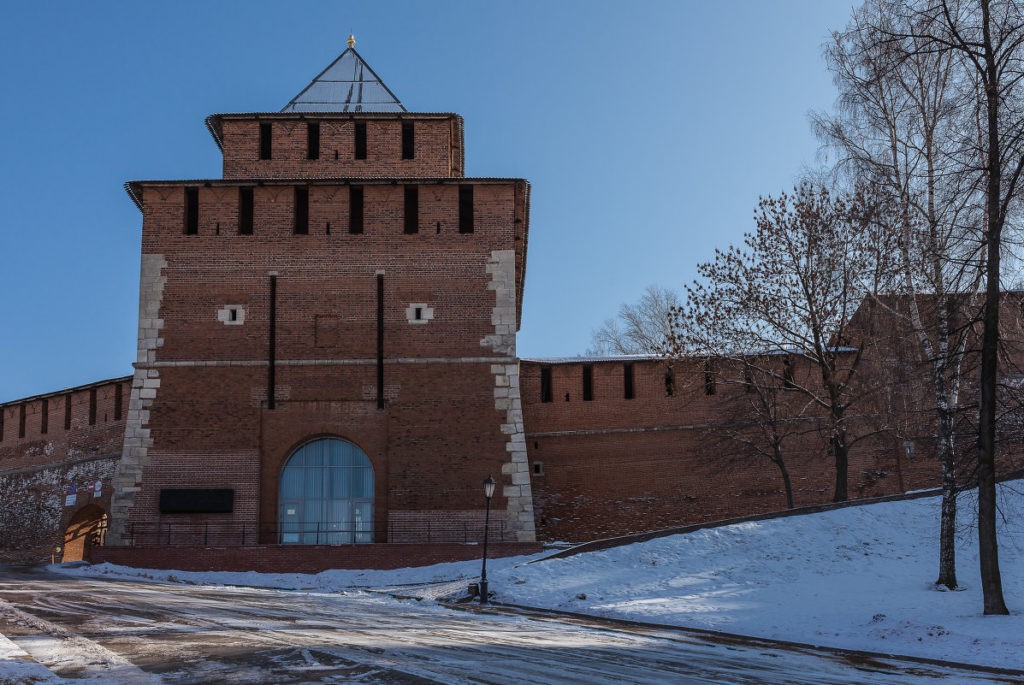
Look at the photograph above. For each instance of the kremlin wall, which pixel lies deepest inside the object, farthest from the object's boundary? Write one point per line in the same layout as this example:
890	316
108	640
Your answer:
327	371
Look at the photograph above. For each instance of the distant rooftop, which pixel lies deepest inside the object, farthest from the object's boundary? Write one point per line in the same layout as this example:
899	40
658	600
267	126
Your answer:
348	84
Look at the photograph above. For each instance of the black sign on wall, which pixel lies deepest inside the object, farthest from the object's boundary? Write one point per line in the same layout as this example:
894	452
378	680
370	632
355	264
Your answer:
196	501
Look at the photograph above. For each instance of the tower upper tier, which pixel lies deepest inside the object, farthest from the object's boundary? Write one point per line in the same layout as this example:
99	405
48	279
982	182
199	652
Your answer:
346	122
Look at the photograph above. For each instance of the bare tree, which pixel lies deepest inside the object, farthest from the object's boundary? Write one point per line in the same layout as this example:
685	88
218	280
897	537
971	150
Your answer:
987	39
640	328
760	421
793	289
904	120
766	414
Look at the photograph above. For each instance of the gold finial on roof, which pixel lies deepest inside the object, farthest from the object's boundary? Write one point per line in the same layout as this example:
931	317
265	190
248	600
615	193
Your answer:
351	40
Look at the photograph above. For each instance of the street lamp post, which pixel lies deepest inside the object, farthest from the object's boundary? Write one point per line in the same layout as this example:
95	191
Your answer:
488	494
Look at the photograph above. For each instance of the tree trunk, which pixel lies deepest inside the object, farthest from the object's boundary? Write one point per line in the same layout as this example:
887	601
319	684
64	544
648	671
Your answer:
842	455
988	546
946	393
784	472
947	523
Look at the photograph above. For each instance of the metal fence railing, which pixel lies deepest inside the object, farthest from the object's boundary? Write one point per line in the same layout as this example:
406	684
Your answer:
235	534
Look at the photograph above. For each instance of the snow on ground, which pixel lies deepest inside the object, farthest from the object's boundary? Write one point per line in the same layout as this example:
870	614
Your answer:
18	668
326	581
856	578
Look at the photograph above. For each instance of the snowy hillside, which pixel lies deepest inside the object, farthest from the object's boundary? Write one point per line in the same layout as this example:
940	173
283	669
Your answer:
860	578
856	578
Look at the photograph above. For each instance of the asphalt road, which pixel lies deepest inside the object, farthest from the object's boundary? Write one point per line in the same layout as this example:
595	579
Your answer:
109	631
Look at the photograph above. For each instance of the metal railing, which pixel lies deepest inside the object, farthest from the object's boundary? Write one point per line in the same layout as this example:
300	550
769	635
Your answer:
236	534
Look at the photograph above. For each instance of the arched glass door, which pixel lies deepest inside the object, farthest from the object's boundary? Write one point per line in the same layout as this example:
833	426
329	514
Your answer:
326	495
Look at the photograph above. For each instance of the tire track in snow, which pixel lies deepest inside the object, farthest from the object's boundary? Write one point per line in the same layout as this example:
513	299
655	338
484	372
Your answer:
65	653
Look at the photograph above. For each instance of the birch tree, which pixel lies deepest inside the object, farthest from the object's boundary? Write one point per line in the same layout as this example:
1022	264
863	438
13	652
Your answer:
986	38
904	120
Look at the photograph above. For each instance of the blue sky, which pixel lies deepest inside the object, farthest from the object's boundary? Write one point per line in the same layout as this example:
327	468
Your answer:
648	130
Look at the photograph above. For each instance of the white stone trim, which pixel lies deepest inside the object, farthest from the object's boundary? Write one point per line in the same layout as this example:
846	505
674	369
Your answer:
516	471
502	267
426	313
224	314
137	440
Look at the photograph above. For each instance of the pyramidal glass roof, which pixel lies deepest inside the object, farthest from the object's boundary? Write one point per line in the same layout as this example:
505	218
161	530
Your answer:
348	84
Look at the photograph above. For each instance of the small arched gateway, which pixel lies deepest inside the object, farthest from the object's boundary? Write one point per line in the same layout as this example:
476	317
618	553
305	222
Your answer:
85	530
326	495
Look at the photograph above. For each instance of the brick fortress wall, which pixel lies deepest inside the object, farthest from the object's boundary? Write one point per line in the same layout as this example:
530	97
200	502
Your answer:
610	465
680	452
48	443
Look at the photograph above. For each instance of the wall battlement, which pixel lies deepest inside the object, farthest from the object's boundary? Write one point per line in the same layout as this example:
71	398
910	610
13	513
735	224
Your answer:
357	144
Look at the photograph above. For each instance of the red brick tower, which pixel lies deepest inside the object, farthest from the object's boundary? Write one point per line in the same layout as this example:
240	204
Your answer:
327	334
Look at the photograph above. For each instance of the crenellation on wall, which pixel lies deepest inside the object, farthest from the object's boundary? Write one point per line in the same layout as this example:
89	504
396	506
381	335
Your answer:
438	145
69	433
329	212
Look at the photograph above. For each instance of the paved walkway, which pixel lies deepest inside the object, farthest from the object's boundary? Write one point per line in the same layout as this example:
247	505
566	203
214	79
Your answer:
130	632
